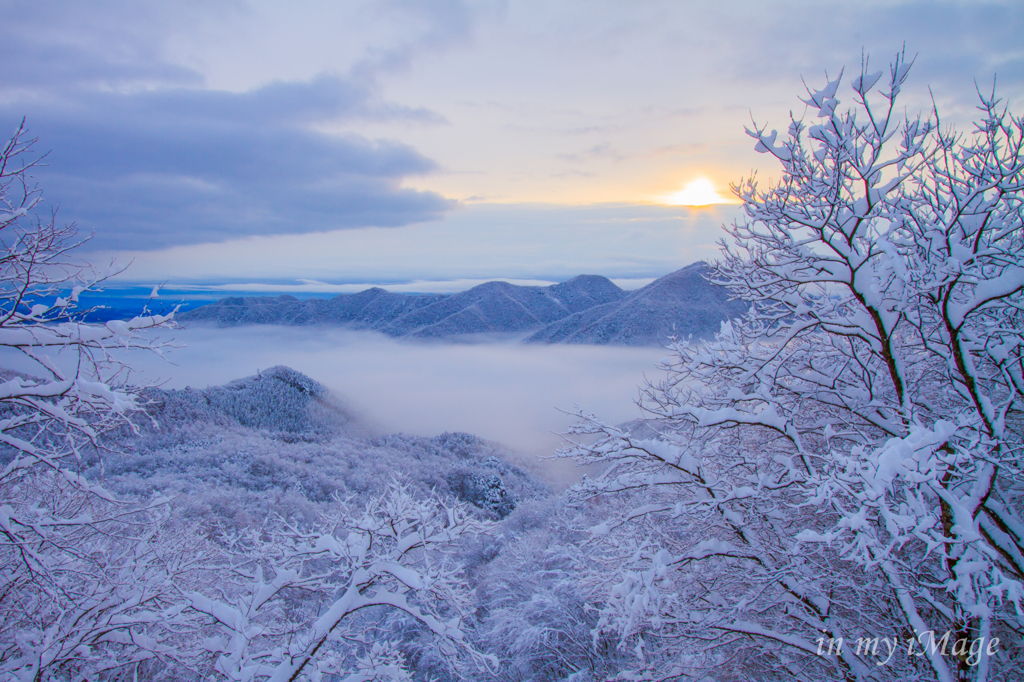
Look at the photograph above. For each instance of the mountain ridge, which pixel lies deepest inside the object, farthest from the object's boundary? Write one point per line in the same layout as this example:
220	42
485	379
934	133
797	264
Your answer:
679	304
585	309
280	435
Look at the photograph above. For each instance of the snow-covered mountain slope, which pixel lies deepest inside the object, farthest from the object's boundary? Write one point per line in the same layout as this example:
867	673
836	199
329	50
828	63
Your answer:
278	400
585	309
370	309
492	307
503	307
281	441
681	303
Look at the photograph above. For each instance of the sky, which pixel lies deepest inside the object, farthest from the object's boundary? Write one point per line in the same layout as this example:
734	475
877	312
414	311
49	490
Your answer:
432	145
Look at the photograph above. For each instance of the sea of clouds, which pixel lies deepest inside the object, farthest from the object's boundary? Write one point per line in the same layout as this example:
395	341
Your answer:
500	389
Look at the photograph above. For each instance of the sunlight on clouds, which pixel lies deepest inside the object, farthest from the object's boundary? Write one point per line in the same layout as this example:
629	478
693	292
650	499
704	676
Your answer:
699	192
478	242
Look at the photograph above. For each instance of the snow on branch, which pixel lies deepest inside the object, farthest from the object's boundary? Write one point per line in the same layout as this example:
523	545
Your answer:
845	459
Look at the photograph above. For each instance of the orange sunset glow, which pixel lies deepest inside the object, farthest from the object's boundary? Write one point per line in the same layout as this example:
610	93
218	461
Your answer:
698	192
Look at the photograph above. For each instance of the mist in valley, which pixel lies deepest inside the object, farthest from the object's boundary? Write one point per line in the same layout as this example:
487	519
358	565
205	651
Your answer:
500	389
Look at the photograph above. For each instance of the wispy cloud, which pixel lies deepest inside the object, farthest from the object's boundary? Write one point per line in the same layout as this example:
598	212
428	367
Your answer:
599	152
49	45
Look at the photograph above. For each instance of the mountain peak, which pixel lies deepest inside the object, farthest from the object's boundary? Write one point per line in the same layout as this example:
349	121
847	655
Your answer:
681	303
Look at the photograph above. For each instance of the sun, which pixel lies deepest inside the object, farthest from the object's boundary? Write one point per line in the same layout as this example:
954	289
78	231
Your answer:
699	192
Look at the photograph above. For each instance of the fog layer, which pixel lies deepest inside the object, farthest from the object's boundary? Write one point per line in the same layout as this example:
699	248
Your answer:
501	390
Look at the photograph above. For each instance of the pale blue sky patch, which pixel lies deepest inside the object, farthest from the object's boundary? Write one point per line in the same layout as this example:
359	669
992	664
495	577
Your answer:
475	243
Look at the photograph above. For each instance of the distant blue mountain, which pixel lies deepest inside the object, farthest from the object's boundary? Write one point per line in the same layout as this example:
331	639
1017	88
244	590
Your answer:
494	307
585	309
679	304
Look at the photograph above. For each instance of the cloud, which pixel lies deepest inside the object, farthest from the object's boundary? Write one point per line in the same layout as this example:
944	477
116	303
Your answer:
478	241
956	40
439	25
149	170
144	177
505	391
599	152
303	287
48	44
144	158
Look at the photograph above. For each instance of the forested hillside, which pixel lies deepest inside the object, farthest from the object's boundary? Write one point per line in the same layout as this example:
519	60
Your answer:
281	436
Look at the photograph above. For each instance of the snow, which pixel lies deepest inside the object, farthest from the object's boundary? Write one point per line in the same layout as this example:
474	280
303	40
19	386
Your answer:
586	309
852	470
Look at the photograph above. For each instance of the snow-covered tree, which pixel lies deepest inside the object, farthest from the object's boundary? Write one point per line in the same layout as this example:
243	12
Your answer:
51	418
96	587
535	611
82	576
311	604
843	463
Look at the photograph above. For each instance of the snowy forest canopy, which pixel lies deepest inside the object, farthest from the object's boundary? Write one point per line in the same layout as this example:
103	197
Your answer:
830	489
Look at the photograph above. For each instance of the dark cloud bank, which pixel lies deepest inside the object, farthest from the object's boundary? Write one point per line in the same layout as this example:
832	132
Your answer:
143	157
